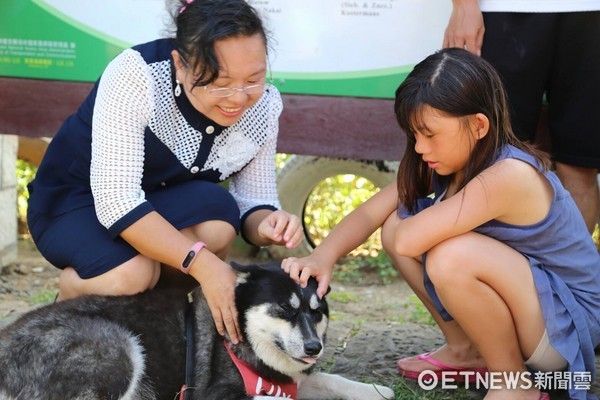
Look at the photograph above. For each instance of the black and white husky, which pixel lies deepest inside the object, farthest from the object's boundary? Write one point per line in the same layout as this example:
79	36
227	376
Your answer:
136	347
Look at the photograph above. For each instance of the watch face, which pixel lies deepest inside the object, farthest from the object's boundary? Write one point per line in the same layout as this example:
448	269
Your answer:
188	259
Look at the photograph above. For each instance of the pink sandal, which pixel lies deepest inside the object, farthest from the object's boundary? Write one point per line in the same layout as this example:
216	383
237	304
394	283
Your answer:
459	376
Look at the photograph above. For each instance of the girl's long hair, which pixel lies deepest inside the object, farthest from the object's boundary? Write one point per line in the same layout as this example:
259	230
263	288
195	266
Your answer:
458	84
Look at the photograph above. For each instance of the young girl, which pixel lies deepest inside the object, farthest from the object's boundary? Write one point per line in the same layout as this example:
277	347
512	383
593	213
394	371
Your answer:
131	181
499	253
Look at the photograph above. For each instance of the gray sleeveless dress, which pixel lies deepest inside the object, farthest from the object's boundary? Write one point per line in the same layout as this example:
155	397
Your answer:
566	269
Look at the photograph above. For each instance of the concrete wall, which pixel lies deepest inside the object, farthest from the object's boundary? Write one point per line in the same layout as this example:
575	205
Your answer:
8	199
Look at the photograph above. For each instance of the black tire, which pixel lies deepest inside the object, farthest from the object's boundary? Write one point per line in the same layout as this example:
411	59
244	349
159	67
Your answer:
301	174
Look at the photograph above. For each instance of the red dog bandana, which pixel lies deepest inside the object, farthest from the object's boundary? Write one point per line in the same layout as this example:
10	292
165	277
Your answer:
257	385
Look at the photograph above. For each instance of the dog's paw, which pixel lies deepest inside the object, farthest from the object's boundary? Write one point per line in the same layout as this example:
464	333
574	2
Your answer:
321	385
366	391
384	392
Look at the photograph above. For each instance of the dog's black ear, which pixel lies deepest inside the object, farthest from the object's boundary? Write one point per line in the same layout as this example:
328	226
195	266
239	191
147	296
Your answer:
313	281
240	267
268	267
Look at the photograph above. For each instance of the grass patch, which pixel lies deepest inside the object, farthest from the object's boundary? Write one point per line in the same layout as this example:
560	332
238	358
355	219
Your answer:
344	297
354	268
415	312
44	297
409	390
419	314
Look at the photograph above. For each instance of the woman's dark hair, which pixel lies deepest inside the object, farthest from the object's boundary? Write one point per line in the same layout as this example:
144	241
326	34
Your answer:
201	23
458	84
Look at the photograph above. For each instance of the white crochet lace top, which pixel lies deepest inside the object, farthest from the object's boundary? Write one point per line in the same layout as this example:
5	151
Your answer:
135	96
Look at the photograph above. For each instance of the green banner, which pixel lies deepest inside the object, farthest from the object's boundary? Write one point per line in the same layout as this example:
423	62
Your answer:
38	41
332	47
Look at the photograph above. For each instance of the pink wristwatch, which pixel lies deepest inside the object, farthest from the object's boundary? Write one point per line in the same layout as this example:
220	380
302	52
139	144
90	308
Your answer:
187	261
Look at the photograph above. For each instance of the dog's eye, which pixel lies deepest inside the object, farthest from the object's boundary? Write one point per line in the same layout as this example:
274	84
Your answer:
287	308
317	310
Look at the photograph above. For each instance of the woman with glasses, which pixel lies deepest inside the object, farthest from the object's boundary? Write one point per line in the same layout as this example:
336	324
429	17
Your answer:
131	181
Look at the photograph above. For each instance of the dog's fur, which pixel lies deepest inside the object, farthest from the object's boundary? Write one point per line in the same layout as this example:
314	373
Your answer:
134	347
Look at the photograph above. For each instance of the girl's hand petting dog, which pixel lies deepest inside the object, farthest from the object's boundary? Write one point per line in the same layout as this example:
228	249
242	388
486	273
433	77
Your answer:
301	269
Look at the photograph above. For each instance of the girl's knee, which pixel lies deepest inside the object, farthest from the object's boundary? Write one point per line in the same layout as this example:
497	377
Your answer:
445	261
410	269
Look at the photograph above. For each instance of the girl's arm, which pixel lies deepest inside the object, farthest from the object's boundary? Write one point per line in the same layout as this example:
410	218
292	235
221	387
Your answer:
352	230
510	191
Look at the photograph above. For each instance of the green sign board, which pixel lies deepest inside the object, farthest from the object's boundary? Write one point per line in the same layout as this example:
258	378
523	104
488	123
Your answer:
322	47
36	41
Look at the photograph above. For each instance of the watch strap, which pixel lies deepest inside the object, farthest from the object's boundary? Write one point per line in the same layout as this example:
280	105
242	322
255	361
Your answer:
190	256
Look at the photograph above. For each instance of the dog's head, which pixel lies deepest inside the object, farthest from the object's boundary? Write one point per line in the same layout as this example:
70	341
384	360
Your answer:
284	323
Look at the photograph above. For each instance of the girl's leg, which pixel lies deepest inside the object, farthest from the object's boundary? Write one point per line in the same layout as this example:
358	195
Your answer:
459	350
488	288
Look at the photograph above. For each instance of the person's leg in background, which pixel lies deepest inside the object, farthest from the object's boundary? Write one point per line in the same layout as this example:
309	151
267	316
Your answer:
574	113
582	183
537	53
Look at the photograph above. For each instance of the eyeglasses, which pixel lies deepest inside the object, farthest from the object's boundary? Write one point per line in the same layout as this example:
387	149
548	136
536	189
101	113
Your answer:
230	91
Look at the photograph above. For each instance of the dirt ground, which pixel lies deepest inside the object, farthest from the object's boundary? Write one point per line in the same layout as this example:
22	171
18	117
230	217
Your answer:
371	325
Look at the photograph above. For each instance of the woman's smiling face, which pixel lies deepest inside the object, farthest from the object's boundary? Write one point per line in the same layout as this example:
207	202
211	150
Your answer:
243	62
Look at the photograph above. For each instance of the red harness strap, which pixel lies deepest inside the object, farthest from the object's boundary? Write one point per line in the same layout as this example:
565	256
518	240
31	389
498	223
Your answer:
257	385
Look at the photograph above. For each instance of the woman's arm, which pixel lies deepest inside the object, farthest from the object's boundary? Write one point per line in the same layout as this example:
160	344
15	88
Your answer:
255	185
121	113
156	238
265	227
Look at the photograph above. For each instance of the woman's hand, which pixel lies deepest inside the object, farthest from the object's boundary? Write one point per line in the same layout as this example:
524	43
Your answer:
301	269
283	228
157	239
218	285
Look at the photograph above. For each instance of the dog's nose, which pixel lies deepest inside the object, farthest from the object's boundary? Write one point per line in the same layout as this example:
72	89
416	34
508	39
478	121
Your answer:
312	348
